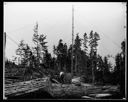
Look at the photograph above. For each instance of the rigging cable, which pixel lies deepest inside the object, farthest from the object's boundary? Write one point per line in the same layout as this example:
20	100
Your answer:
111	40
12	40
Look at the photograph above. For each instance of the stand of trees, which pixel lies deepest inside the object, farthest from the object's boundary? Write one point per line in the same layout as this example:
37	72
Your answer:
87	62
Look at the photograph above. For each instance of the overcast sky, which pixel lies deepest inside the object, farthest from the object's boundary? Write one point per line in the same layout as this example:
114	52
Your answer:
55	21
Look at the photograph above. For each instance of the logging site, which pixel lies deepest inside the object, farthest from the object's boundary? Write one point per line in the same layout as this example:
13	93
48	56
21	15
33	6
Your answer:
72	51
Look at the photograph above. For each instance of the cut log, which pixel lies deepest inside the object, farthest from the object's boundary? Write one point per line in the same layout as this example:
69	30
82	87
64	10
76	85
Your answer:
76	81
87	97
103	95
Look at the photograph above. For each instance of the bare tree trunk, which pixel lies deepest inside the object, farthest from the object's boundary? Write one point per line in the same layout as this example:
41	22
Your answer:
93	76
76	64
59	68
65	67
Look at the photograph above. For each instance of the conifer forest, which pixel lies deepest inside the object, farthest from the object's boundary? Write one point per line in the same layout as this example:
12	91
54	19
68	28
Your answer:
71	71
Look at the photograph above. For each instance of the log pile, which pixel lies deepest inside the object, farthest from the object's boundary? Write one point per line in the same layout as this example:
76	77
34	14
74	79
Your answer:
59	90
20	88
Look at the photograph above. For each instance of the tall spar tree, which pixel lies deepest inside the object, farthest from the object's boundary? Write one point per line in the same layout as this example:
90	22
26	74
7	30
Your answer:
93	43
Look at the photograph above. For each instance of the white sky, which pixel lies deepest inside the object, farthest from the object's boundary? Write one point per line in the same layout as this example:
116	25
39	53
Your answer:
55	21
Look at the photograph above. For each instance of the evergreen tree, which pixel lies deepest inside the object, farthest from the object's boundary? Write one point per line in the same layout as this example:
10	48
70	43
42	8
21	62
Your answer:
61	52
106	70
99	69
47	59
93	43
69	58
39	41
77	49
85	42
85	59
65	52
120	69
25	53
122	78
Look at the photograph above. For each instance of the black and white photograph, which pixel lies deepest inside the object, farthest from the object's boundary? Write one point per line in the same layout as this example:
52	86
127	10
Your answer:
64	50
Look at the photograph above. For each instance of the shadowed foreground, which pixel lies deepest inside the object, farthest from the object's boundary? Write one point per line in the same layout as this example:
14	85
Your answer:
40	94
41	89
